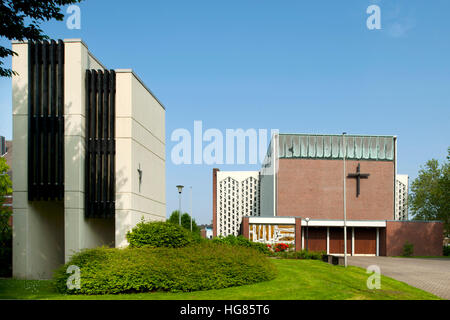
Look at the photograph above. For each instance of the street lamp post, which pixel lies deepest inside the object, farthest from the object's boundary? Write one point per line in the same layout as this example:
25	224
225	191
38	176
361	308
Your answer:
307	232
180	189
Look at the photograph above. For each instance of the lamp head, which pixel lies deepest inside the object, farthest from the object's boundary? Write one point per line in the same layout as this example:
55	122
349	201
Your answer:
180	188
307	220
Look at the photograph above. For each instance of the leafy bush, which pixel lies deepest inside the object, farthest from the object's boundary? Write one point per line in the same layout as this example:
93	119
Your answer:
158	234
5	245
5	227
408	249
197	267
302	254
243	242
446	250
281	247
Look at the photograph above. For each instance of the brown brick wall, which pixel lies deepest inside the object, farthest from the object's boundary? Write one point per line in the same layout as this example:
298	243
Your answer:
427	237
382	240
298	234
245	231
313	188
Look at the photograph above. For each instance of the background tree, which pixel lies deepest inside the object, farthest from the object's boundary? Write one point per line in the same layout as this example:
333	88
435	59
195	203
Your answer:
185	221
430	193
5	228
20	20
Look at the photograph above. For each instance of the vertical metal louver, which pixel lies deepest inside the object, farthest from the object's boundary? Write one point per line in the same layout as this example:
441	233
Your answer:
46	120
100	144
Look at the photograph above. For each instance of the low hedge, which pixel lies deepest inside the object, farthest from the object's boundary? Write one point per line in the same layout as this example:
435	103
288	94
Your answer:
202	266
446	250
302	254
408	249
242	242
5	248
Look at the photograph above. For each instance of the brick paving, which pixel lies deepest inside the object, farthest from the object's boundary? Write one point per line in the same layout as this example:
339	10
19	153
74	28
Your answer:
432	275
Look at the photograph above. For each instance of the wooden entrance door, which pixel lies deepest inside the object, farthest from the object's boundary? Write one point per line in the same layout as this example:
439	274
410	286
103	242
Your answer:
365	241
317	238
337	240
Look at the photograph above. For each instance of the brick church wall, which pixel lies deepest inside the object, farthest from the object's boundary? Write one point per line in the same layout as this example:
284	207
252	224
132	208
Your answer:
313	188
427	237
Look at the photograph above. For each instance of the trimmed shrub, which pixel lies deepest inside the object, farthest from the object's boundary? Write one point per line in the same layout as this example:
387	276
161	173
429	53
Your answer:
201	267
302	254
158	234
243	242
5	245
446	250
408	249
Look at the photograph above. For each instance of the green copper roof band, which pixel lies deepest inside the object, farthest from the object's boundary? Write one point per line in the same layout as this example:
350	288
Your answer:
331	147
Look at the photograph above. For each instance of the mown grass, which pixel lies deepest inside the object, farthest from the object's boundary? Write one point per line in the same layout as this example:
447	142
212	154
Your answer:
296	280
424	257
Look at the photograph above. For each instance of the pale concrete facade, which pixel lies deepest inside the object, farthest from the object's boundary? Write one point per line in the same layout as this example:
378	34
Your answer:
237	194
401	196
140	143
47	233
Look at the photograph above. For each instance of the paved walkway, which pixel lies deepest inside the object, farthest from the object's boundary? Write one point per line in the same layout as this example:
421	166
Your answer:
432	275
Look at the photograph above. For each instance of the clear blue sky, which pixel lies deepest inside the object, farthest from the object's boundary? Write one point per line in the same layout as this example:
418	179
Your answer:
297	66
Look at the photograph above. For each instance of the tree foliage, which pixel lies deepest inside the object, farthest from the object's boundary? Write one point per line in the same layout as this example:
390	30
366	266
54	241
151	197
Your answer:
185	221
5	189
5	228
21	19
430	193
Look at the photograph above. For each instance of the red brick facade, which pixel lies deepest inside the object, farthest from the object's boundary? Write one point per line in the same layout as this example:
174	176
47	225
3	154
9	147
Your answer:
314	188
427	237
298	234
245	227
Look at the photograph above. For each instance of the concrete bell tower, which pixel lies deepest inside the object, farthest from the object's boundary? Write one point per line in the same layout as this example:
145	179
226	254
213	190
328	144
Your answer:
89	155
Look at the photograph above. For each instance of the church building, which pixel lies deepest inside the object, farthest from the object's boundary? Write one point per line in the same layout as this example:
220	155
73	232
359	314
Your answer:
309	182
89	154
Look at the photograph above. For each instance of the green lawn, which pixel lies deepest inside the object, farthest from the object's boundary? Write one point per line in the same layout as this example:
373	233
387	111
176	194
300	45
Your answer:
425	257
297	280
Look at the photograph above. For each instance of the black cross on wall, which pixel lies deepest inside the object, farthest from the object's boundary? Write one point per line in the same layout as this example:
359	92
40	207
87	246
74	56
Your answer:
358	176
140	176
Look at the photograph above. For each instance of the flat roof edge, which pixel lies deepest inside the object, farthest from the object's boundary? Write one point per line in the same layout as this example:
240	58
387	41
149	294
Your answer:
142	83
335	135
